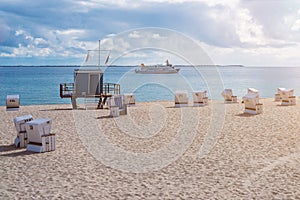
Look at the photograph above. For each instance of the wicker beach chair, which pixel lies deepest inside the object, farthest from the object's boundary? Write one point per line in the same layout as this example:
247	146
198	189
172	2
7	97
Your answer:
39	137
251	101
129	99
286	96
181	99
117	105
199	98
252	105
228	96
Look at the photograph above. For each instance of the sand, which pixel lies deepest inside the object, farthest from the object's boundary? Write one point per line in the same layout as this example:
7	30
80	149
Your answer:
157	152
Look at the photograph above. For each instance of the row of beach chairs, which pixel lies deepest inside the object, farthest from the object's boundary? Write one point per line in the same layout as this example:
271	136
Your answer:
118	103
251	99
199	98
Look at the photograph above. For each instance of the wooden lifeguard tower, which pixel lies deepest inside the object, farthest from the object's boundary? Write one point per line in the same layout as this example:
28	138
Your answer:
88	82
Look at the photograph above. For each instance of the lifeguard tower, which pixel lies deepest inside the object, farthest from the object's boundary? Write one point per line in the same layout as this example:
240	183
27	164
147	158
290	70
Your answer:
88	81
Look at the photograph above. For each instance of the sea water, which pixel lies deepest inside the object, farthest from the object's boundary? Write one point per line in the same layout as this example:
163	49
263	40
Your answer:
40	85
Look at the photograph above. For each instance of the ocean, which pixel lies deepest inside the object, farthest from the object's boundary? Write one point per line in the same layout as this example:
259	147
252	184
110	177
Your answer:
39	85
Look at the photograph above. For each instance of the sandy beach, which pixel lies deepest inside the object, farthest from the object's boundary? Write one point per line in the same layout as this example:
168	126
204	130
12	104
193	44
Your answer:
247	157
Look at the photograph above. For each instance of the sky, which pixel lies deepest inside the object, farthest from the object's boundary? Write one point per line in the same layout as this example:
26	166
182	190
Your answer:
60	32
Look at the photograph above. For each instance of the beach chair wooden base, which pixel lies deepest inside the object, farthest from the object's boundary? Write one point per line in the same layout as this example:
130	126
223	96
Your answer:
254	111
12	109
291	101
38	148
114	111
179	105
204	102
232	100
199	104
130	104
48	144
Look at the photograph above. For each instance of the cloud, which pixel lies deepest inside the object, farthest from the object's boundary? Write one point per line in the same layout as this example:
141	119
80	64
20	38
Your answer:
296	25
296	22
67	29
277	18
134	34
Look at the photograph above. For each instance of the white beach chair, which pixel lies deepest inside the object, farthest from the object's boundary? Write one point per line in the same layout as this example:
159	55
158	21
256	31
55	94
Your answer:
12	102
287	96
129	99
39	137
278	94
252	105
199	98
21	139
181	99
228	96
117	105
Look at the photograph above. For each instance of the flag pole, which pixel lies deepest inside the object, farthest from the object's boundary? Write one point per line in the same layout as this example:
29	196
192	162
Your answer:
99	54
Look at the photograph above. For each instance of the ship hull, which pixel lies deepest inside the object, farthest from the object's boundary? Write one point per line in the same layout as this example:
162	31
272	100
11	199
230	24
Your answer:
156	71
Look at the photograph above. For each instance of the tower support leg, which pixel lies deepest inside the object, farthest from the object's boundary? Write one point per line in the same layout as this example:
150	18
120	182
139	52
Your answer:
74	105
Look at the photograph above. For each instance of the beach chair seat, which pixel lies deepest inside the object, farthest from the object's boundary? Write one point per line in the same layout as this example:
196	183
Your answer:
199	98
181	99
39	137
287	96
252	105
228	96
21	139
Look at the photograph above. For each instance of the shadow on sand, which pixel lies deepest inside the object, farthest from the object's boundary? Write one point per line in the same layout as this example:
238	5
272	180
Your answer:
57	109
244	115
13	151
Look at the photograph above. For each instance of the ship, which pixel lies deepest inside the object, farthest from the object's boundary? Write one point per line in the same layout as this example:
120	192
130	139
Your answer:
166	68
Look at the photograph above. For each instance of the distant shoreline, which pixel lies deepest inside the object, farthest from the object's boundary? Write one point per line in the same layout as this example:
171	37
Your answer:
217	65
117	66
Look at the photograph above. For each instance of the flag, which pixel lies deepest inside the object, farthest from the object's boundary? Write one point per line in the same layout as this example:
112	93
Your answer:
106	61
87	57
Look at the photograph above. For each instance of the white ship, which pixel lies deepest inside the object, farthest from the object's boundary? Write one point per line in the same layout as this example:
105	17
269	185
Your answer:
157	69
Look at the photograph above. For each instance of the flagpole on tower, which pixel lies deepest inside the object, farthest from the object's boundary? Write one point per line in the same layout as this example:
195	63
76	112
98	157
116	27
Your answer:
99	54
